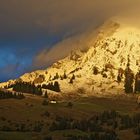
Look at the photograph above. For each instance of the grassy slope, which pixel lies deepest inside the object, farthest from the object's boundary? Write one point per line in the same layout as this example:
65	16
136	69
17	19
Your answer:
32	109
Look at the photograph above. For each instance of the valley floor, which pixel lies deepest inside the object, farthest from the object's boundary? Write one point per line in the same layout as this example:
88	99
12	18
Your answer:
29	119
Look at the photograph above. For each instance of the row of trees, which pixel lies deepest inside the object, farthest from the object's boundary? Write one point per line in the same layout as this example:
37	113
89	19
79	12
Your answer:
26	87
104	125
94	123
64	76
52	86
132	82
111	135
36	126
93	136
8	95
57	76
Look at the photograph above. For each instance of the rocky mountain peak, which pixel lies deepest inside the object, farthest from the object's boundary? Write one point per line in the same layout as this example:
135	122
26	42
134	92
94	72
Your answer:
98	67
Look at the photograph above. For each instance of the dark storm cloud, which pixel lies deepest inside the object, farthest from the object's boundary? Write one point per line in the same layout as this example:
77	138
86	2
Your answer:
80	15
31	26
32	16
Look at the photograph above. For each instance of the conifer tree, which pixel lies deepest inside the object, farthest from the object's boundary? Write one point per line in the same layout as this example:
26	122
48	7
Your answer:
72	78
129	78
46	94
65	76
119	78
56	86
56	76
95	70
137	82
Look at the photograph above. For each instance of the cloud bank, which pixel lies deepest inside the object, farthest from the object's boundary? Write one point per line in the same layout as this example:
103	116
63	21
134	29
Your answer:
31	27
81	15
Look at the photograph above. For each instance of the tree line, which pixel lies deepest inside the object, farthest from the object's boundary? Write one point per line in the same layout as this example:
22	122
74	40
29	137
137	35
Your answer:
26	87
131	81
9	95
52	86
102	126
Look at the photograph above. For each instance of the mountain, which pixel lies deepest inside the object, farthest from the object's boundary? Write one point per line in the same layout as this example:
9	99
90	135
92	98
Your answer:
96	68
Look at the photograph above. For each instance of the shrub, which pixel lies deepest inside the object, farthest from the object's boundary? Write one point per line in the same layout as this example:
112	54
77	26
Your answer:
45	102
69	105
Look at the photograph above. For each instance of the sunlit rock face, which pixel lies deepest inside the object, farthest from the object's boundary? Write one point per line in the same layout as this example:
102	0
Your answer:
115	49
115	46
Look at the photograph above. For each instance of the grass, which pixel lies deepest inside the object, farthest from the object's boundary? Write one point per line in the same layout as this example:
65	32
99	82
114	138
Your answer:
67	132
31	109
15	136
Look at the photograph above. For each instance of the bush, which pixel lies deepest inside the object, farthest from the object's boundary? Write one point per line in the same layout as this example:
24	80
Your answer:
45	102
69	105
95	70
46	95
46	114
48	138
